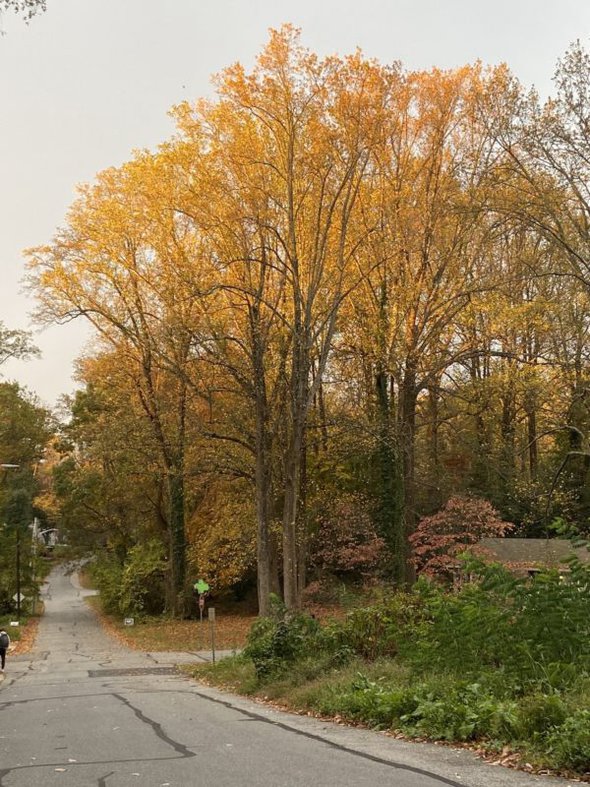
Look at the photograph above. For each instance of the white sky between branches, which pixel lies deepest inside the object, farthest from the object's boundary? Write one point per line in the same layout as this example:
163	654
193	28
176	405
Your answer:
90	80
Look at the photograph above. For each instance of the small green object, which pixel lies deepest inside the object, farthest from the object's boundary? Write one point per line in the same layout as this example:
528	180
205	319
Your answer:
201	586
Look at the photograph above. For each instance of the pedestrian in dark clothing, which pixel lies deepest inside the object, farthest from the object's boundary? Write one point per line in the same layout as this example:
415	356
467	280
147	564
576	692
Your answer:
4	643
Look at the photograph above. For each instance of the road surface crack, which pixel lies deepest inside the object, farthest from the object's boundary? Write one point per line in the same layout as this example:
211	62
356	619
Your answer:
312	736
157	728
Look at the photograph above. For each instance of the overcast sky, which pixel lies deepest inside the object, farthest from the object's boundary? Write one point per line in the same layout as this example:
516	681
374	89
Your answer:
90	80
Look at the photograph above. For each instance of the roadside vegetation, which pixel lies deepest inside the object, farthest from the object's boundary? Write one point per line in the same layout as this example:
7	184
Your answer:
22	637
503	663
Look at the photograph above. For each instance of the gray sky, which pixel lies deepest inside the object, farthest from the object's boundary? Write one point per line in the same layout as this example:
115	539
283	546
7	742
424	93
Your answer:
90	80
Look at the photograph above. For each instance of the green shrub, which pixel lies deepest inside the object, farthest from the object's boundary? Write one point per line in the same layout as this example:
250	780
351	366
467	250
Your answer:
375	631
364	700
538	713
459	713
106	575
273	643
441	718
568	746
534	632
135	587
142	580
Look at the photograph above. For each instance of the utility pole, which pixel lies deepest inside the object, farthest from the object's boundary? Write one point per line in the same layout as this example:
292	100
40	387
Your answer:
18	573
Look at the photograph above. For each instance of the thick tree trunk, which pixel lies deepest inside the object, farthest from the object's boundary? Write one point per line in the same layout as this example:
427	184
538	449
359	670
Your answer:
408	403
290	516
263	542
392	527
293	463
177	539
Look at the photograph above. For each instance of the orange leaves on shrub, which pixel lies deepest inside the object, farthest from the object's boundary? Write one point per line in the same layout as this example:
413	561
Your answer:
459	525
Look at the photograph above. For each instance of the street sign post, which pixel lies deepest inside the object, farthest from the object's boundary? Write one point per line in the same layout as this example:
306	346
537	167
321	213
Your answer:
201	587
211	612
201	608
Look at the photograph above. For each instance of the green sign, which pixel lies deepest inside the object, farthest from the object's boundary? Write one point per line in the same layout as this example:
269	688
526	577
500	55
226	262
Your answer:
201	586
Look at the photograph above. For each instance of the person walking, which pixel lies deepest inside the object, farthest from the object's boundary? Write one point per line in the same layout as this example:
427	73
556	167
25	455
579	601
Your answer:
4	644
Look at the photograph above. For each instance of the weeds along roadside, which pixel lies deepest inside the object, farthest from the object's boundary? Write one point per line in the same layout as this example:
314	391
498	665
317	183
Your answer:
504	662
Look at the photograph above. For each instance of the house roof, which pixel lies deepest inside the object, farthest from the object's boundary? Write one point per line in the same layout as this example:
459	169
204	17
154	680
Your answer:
534	551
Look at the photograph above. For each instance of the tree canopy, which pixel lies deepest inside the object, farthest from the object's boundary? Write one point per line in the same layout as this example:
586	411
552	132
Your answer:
339	282
27	8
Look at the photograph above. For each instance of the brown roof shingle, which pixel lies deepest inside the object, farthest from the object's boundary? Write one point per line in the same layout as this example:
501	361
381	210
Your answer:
550	552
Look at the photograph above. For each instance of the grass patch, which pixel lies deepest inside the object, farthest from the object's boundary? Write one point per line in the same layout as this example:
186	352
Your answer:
235	673
161	634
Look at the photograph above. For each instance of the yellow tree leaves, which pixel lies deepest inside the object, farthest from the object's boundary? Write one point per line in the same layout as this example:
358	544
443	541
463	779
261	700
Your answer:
320	217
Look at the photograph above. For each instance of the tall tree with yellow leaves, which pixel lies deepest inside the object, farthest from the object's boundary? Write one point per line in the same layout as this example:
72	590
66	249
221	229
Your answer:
292	145
422	269
111	264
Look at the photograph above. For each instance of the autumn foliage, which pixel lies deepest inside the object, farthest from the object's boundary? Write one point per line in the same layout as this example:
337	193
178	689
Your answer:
439	539
338	280
346	542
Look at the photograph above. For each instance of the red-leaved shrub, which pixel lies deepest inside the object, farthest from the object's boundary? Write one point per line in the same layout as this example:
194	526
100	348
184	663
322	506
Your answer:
459	525
346	541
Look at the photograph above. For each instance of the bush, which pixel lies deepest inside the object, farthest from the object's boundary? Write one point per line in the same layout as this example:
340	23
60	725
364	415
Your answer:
539	713
276	642
376	631
439	539
106	575
376	703
464	633
142	580
534	632
135	587
568	745
345	541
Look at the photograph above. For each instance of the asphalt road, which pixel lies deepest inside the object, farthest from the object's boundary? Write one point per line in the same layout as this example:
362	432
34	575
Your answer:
82	710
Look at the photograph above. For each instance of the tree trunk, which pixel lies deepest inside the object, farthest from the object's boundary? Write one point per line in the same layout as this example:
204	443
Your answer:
302	522
390	480
177	539
290	514
531	418
263	546
508	429
408	403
